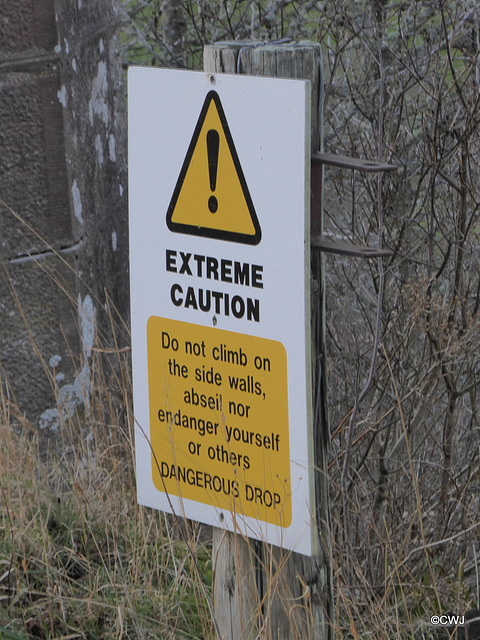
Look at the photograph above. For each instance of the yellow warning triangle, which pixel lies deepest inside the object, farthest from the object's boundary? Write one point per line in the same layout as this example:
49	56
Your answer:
211	198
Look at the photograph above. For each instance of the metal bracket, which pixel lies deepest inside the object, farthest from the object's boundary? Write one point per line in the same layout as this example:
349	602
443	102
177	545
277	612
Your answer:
356	164
340	247
344	248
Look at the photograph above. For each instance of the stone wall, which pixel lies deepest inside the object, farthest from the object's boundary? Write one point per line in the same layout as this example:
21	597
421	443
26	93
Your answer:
63	185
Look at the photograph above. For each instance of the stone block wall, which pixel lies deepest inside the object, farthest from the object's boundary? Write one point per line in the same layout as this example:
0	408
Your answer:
63	182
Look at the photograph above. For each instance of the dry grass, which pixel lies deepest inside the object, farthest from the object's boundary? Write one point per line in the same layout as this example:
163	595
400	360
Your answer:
397	569
78	557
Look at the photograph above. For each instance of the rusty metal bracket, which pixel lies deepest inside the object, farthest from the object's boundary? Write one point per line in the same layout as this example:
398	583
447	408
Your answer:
344	248
356	164
340	247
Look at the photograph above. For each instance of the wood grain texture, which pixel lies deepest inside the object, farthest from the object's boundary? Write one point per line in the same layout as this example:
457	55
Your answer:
296	595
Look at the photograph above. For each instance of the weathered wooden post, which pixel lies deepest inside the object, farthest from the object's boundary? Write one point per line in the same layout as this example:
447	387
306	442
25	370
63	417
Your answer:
260	589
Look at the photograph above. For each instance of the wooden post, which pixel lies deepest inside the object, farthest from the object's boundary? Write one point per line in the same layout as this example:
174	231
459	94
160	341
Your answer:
261	591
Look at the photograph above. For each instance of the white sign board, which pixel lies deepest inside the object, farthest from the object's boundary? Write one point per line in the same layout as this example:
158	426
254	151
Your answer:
219	267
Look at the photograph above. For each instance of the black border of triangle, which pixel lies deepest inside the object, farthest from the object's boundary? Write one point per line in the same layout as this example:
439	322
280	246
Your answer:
206	232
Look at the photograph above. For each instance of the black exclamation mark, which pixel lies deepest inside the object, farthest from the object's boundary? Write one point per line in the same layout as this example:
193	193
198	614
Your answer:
213	142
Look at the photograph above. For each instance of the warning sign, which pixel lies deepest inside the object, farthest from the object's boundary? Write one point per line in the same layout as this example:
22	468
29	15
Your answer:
220	312
219	419
211	197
